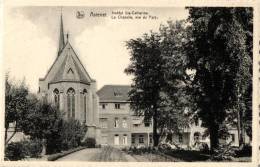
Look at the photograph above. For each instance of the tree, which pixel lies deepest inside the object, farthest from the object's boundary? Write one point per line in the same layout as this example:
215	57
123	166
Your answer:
176	103
44	121
16	104
146	66
221	54
158	66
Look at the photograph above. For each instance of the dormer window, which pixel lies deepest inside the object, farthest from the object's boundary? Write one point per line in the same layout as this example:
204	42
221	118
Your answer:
117	94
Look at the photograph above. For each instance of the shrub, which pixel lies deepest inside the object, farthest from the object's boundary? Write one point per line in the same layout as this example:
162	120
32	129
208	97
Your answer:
246	151
15	151
34	148
71	134
26	148
89	142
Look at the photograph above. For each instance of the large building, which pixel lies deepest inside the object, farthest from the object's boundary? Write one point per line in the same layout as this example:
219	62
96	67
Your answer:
120	127
68	85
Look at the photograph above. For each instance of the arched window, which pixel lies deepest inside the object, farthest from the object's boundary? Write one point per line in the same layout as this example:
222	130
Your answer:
85	105
56	97
71	102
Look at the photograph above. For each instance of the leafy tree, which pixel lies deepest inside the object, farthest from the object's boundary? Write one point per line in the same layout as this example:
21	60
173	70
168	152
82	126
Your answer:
174	116
158	66
44	121
221	54
147	68
16	105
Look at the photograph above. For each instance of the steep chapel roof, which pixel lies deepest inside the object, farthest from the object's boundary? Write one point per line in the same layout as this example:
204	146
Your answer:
67	66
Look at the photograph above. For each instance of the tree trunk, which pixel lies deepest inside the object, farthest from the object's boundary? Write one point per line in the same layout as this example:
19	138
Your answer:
214	142
8	139
155	134
240	129
6	130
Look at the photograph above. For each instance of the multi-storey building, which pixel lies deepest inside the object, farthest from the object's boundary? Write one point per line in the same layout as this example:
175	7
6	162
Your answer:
120	126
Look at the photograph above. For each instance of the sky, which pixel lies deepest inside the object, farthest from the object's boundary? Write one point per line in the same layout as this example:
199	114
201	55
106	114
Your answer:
31	40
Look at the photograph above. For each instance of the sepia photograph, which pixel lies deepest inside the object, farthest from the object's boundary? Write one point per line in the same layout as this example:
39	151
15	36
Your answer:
128	84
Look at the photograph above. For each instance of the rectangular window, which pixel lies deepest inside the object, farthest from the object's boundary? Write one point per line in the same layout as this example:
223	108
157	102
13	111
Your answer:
125	139
103	122
116	123
117	106
233	137
151	138
124	123
141	138
103	106
146	124
180	138
133	139
116	139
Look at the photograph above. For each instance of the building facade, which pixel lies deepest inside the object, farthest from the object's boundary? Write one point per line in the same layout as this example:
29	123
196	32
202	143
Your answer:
120	127
68	85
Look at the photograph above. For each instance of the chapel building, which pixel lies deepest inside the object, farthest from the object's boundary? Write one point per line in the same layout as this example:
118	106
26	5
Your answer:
68	85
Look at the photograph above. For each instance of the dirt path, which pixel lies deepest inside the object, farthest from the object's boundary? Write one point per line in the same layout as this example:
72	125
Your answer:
105	154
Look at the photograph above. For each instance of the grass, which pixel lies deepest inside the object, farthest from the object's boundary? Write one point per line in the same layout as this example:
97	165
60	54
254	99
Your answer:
188	155
153	155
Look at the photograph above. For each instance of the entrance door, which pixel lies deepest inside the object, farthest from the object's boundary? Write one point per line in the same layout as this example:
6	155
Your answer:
116	140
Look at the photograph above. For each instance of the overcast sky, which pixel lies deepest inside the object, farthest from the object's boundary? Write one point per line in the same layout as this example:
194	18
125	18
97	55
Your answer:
31	39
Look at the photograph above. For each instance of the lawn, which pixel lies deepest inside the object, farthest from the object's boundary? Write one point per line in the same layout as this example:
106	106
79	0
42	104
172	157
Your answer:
153	155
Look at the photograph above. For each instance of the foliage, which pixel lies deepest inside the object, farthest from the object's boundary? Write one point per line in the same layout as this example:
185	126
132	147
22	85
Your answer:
20	150
33	148
16	104
220	52
223	152
72	132
158	89
46	122
89	142
15	151
147	68
175	98
246	151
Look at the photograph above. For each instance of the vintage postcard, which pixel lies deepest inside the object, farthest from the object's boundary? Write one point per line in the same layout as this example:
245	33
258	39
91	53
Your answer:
166	83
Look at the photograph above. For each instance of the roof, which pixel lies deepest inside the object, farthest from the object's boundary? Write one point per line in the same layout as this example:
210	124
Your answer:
70	68
114	93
